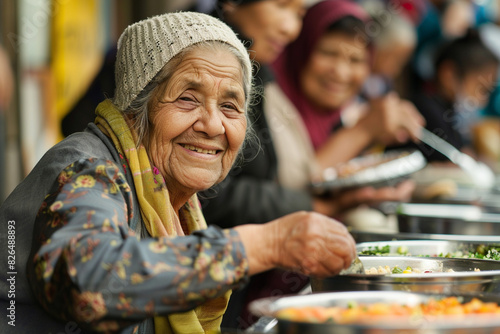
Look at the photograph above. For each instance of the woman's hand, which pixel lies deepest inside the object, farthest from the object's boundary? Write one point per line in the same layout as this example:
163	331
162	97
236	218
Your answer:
307	242
345	200
392	120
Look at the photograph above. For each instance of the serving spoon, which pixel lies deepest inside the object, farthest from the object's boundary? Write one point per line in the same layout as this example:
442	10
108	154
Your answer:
482	176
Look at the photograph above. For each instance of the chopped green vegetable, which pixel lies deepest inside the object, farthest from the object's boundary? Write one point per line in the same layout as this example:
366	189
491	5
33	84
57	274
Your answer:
488	252
376	250
352	304
402	250
397	270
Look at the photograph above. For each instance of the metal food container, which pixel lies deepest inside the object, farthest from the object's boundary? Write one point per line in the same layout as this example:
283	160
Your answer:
431	248
447	219
463	280
369	236
268	307
375	170
488	201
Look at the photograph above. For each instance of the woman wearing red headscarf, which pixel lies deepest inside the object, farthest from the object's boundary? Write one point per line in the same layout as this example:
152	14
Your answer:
319	74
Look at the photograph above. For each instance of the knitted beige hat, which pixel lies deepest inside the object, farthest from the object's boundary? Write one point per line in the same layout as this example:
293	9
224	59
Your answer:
146	46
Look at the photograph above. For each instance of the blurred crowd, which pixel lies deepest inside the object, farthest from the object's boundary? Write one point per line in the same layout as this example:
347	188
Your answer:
336	79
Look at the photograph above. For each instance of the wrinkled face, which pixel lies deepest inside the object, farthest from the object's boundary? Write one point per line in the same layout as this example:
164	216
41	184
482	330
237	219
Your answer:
335	72
199	124
270	24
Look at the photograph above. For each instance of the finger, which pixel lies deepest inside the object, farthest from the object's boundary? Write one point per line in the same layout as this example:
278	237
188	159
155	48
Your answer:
331	267
403	134
342	245
357	196
406	186
330	262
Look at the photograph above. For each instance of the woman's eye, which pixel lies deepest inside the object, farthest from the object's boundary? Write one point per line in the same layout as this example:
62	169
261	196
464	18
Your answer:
328	53
357	60
229	106
186	98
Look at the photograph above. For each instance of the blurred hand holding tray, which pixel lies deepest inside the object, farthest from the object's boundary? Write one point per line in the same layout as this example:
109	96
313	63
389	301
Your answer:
375	170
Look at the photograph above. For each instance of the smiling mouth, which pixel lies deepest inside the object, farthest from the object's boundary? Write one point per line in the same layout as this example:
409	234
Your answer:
198	149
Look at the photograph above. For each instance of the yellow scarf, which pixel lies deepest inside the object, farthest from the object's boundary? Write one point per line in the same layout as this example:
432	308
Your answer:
159	217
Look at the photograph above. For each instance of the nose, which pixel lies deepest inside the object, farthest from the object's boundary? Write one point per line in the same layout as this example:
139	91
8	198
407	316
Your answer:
340	69
210	122
290	25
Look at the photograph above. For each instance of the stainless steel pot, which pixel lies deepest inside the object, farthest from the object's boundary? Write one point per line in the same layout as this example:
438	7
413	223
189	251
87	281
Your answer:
463	280
447	219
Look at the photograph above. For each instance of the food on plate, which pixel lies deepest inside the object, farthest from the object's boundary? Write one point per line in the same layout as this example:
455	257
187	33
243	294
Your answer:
383	250
481	252
356	165
433	309
486	252
386	270
441	188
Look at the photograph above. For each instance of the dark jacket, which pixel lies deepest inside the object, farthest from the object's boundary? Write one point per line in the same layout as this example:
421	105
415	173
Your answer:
441	119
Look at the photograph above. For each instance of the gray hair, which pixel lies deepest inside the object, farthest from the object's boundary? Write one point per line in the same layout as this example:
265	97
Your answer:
142	105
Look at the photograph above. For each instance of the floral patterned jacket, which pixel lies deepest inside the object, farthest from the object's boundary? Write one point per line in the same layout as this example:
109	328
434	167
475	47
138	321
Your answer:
92	263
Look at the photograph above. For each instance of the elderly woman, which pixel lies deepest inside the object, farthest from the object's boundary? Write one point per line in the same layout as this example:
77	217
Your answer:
119	241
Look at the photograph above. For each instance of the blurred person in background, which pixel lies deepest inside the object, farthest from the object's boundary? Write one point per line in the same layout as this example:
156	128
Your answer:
451	101
442	21
320	74
394	40
6	95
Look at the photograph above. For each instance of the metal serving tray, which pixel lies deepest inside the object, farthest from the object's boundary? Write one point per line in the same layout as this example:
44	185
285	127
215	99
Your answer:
364	236
463	280
474	324
446	219
432	248
488	201
385	169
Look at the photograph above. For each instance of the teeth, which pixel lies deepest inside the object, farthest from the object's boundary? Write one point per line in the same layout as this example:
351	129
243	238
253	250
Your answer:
199	150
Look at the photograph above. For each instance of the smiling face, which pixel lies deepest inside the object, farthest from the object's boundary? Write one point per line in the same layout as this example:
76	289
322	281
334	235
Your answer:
336	69
199	123
270	24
